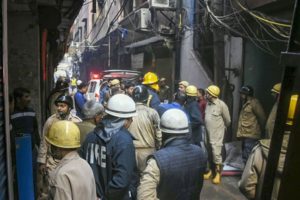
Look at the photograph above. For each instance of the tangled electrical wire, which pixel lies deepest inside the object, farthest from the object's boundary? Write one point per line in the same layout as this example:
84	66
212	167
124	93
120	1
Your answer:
268	29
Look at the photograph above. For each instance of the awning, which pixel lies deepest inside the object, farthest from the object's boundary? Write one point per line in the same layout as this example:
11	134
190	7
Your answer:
145	42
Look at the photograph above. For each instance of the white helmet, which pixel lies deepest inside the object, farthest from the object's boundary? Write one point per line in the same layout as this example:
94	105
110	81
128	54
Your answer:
174	121
121	105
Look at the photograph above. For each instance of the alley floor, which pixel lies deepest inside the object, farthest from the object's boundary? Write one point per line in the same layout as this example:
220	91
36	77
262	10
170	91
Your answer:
228	189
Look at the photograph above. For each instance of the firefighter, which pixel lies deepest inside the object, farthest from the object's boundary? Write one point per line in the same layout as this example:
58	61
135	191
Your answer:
254	172
193	111
217	118
275	91
72	174
47	163
110	151
176	170
151	82
165	91
144	127
251	121
182	85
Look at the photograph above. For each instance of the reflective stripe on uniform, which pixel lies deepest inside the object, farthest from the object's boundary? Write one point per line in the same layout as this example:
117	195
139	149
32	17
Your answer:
23	114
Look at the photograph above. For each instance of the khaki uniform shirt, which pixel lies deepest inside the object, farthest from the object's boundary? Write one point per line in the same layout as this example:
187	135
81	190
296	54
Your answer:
145	128
217	118
251	182
85	128
271	121
73	179
251	120
149	181
43	156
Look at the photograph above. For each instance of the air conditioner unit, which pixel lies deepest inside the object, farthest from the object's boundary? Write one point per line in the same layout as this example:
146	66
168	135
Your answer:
142	19
162	3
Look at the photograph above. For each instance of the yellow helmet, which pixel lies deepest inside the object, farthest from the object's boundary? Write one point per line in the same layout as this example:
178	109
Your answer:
191	91
114	82
276	88
155	87
150	78
64	134
184	83
213	90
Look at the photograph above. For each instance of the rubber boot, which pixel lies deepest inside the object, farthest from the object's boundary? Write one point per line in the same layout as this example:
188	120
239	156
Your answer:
217	178
207	175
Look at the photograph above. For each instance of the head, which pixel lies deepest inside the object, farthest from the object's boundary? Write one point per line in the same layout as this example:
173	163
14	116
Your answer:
121	106
115	83
191	92
212	92
129	86
151	80
22	97
162	81
93	110
63	136
174	123
82	86
180	97
64	104
275	91
246	91
61	84
182	85
140	94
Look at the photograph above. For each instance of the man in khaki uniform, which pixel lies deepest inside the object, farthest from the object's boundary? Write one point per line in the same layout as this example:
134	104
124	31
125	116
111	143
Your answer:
217	118
73	178
251	123
64	104
272	116
251	182
93	113
144	128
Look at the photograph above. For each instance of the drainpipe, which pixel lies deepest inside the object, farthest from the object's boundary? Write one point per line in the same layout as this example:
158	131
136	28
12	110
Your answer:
178	39
218	39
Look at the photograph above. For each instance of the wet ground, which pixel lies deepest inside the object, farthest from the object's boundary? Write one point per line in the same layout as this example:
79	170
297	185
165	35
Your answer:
228	189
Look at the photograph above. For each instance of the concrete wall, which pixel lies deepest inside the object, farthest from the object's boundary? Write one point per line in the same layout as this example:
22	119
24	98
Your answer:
191	67
24	55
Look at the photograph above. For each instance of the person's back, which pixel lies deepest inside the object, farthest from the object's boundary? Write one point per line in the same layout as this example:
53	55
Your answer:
110	151
181	167
176	170
74	178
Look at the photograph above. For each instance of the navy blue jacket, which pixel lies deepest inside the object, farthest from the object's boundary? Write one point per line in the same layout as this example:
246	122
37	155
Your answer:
181	167
196	121
155	101
112	159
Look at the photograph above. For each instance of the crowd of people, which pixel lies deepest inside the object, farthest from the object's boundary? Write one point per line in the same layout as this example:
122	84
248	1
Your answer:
139	141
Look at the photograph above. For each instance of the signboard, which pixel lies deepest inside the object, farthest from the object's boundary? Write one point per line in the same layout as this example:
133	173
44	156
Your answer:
137	61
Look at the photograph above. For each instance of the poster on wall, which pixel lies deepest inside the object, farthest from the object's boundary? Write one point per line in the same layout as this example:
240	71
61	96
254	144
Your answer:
137	61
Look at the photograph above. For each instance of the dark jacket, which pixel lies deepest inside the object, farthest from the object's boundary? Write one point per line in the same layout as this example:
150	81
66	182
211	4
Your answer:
110	152
181	176
24	121
154	102
196	121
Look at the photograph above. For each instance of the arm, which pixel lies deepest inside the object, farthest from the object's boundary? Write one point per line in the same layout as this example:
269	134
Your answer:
42	153
249	180
149	181
158	135
260	114
195	115
226	115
